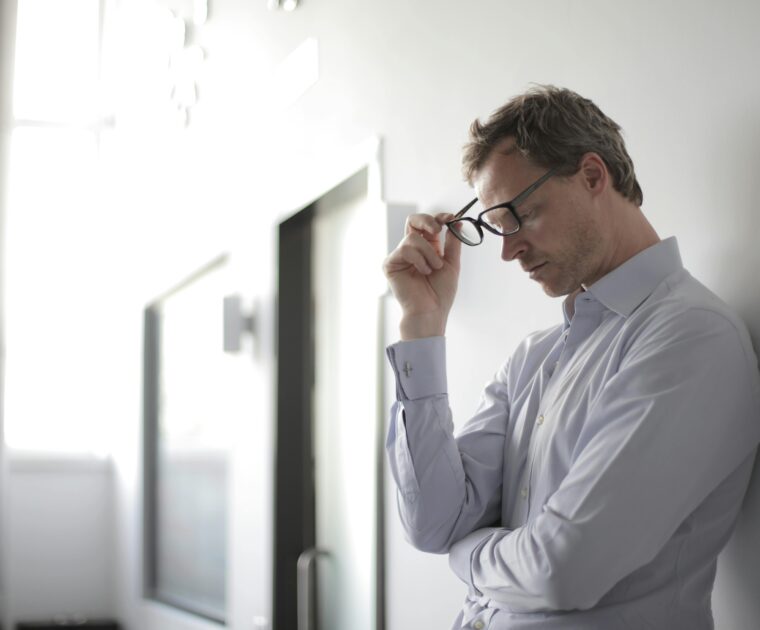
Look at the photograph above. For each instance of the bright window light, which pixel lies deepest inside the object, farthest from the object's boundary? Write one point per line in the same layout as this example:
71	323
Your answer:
57	60
54	333
58	392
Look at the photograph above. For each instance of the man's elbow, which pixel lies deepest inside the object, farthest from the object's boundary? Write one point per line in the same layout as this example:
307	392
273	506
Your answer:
423	541
426	536
428	528
434	524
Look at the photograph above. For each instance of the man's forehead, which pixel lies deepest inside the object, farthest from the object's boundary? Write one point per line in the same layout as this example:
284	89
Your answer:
506	171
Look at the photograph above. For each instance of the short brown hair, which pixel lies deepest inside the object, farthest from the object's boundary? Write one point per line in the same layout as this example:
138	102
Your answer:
554	127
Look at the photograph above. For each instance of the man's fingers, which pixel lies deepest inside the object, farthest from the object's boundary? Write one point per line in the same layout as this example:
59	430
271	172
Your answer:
417	251
405	256
443	217
423	224
452	246
422	248
431	250
415	247
452	249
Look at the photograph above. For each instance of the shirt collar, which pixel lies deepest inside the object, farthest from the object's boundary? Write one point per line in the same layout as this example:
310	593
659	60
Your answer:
627	286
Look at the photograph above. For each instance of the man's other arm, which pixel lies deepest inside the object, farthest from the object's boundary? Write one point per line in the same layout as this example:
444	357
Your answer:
679	417
446	488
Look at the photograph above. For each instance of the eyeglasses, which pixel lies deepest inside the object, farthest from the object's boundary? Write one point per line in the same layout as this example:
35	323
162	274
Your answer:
501	219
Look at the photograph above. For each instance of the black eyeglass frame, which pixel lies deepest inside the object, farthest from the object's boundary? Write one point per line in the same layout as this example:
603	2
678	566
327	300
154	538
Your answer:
512	205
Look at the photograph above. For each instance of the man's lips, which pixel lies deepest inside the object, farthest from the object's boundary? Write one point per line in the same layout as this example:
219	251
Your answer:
533	268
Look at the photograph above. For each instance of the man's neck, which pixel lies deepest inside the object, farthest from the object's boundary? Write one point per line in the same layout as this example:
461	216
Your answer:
632	233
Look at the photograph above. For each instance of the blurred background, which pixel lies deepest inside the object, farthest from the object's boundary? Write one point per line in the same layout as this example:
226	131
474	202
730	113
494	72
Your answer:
195	200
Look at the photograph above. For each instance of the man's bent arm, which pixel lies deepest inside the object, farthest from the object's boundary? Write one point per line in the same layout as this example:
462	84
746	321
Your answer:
679	418
445	489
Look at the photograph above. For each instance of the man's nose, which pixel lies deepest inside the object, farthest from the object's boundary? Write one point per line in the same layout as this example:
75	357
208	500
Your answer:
512	246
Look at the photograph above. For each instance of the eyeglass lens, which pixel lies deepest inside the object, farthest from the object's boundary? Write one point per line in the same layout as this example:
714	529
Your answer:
502	220
467	231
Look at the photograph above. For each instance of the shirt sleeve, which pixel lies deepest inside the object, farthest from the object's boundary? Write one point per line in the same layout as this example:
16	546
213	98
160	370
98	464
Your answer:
678	418
446	487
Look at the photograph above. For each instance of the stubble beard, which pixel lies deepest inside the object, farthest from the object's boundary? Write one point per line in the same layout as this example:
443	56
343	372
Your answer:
574	265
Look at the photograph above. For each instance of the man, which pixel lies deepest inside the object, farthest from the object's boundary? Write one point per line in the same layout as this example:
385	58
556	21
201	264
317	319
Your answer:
605	467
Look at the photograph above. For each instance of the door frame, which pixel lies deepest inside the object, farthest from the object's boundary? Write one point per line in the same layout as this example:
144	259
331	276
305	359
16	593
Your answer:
294	484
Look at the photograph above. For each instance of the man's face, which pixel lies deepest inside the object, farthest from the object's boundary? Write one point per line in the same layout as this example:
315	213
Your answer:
561	241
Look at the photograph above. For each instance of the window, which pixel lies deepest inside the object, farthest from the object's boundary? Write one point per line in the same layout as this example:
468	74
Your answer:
57	392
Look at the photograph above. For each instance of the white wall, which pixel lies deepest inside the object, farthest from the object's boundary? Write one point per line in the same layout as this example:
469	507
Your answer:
679	78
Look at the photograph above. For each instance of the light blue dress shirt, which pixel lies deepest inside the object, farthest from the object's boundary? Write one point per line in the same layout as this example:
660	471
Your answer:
605	467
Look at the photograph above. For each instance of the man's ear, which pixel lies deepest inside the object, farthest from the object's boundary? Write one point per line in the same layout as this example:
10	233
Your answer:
594	174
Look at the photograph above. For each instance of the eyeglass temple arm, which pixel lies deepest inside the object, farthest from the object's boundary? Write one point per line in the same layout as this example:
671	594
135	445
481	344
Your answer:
461	213
518	200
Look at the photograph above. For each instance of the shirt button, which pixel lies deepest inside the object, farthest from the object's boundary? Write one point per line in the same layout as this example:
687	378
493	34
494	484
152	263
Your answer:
524	493
478	625
540	420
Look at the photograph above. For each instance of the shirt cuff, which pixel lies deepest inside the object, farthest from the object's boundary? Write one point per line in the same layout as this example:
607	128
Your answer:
419	366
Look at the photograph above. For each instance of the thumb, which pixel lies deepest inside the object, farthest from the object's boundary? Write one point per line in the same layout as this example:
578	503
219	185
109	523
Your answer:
452	249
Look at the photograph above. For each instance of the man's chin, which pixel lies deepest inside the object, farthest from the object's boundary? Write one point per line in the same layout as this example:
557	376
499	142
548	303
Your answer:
556	290
551	292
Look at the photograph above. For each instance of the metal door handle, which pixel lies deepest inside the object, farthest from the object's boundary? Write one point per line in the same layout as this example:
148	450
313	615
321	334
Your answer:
305	605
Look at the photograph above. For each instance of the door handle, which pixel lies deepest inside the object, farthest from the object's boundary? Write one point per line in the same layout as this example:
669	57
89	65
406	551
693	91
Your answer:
305	606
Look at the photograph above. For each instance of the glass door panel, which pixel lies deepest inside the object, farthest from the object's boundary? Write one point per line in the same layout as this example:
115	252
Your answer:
346	412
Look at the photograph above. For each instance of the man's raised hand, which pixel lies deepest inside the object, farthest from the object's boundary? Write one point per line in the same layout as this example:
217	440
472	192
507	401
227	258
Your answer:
422	277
